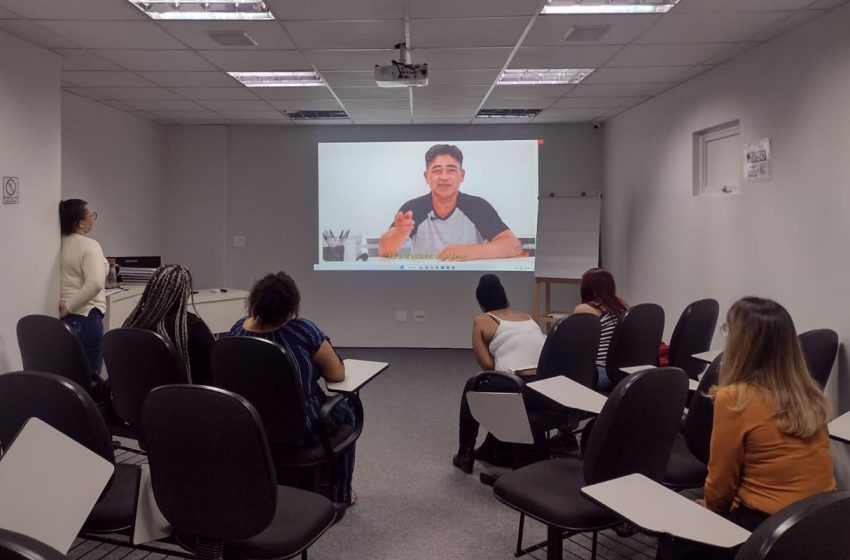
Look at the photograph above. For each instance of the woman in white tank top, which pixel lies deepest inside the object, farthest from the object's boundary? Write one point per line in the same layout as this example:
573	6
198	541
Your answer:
503	340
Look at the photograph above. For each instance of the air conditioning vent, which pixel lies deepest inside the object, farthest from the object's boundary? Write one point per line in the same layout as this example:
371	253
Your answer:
316	115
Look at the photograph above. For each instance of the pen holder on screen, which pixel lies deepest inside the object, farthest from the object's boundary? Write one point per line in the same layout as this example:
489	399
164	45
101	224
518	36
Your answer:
335	253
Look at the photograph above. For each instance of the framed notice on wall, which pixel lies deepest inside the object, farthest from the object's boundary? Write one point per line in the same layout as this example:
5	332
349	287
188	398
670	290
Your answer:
757	160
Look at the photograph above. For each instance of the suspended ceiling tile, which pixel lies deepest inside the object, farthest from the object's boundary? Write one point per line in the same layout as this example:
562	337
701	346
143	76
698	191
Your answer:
472	8
35	34
191	79
321	122
81	59
114	10
236	105
264	115
549	29
793	21
465	77
530	92
644	74
563	57
709	27
380	34
450	92
88	78
732	51
360	79
306	104
257	61
667	55
163	105
826	4
187	116
540	103
596	102
269	35
472	32
373	104
379	114
114	35
618	90
488	57
732	6
125	93
447	113
212	94
293	93
6	14
438	104
85	92
150	60
583	112
355	60
336	9
370	93
434	122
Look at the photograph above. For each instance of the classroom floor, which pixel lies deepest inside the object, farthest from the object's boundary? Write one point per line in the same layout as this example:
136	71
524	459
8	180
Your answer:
413	504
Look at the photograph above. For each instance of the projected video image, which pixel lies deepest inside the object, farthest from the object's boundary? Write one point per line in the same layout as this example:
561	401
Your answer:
466	205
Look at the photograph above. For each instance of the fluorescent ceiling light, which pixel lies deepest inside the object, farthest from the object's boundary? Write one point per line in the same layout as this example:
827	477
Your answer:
608	6
278	79
508	113
204	9
537	76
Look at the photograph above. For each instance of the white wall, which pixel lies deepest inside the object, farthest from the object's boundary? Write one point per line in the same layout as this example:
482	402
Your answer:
30	150
786	238
271	194
114	160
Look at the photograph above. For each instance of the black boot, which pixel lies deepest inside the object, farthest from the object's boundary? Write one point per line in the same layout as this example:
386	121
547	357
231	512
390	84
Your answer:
464	459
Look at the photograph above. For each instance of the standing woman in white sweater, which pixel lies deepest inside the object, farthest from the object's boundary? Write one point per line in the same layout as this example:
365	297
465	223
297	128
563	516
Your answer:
82	277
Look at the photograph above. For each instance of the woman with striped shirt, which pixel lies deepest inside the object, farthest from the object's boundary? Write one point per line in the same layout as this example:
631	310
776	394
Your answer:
599	297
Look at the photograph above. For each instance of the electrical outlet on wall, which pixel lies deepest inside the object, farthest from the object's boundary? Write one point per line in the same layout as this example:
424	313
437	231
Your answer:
238	240
418	316
401	315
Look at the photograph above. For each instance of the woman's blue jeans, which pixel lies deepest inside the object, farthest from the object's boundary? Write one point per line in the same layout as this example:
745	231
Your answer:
90	331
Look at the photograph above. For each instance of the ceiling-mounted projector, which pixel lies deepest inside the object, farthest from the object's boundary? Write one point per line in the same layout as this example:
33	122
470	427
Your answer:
401	73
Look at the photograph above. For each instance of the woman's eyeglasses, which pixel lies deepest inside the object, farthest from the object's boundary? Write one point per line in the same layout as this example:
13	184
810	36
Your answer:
724	329
93	216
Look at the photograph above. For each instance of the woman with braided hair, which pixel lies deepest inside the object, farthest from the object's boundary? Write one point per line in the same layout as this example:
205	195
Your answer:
163	308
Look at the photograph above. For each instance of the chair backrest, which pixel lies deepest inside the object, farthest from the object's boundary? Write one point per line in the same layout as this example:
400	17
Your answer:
636	340
210	464
814	527
57	401
570	349
496	401
138	361
692	334
700	418
634	431
49	345
264	373
820	346
15	546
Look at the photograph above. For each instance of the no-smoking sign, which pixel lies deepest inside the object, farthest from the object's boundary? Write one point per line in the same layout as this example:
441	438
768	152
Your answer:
10	190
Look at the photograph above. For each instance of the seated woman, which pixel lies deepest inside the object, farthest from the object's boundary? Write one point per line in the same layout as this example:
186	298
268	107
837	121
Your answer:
273	314
599	297
502	340
769	441
164	308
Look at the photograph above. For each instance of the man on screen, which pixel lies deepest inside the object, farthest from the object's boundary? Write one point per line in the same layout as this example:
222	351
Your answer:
448	224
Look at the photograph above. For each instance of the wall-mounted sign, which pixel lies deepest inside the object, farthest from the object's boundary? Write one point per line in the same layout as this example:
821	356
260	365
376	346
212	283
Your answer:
10	190
757	160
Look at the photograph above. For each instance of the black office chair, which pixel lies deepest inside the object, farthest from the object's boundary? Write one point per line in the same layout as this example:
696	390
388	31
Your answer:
820	347
633	434
570	350
692	334
15	546
815	527
67	407
214	481
689	457
49	345
636	340
138	361
265	374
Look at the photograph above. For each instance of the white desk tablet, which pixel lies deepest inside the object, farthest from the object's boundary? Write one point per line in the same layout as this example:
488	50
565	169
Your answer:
357	374
840	428
49	484
692	383
150	524
658	509
569	393
708	356
501	414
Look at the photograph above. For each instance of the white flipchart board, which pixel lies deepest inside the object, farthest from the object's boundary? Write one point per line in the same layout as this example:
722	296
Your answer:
567	235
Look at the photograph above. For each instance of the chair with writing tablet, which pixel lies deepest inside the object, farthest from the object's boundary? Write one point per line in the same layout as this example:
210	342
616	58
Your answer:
15	546
693	334
214	481
814	527
633	434
264	373
64	405
138	361
49	345
820	347
636	340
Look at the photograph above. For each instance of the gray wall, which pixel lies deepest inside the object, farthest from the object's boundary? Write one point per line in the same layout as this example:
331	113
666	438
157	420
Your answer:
29	150
271	199
786	238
